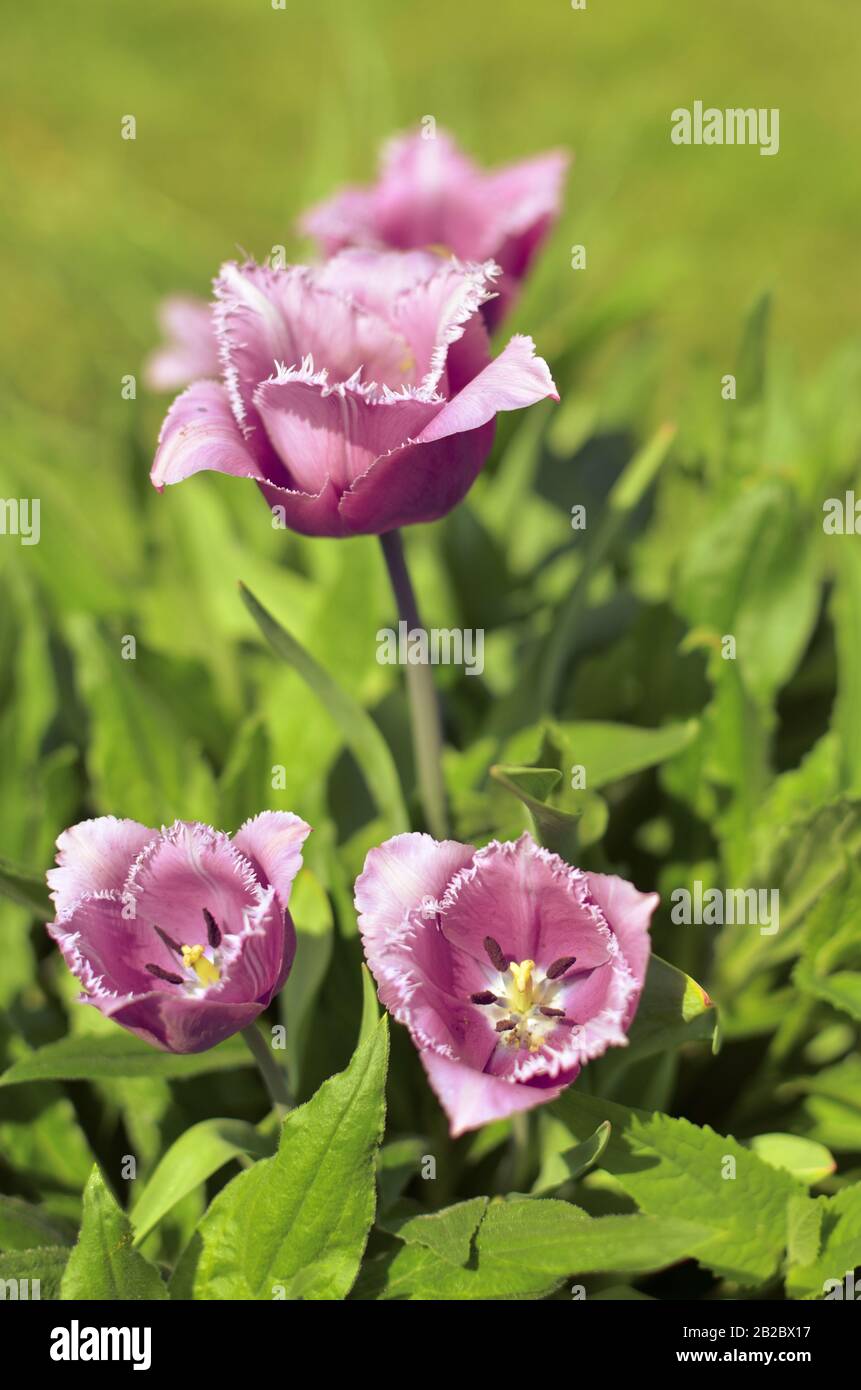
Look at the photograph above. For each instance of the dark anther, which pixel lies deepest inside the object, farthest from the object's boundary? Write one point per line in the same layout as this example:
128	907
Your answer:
484	996
560	966
213	934
164	974
496	954
553	1013
505	1025
169	941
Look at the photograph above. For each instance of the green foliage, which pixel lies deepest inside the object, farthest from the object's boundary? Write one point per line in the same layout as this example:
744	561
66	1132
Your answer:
719	1153
104	1264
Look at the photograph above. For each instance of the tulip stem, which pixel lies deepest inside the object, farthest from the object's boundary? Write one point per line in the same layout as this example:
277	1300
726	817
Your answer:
424	704
274	1078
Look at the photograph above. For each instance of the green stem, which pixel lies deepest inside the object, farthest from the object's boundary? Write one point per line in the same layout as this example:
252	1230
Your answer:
273	1076
424	705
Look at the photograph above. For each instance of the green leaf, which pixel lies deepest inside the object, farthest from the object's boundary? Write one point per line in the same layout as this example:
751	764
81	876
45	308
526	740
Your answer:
449	1233
298	1223
24	1227
525	1247
44	1264
609	751
673	1010
26	889
669	1166
804	1158
196	1155
311	911
360	733
563	1162
97	1058
104	1264
370	1006
840	1250
141	762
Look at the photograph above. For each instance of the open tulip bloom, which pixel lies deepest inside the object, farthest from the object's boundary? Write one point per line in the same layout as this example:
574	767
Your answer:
184	935
359	395
510	968
429	193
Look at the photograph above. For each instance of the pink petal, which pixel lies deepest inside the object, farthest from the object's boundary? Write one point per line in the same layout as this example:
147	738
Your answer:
191	351
514	379
272	842
201	434
471	1098
334	434
95	856
188	868
629	913
176	1023
418	483
399	876
105	949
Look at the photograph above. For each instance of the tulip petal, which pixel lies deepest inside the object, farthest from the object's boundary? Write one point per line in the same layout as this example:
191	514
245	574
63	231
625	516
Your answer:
191	349
272	842
334	433
174	1023
471	1098
199	434
95	856
630	912
514	379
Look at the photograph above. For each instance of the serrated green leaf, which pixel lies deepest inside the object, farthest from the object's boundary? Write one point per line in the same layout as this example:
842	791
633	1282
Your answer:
669	1165
525	1247
449	1233
44	1264
840	1249
104	1264
296	1225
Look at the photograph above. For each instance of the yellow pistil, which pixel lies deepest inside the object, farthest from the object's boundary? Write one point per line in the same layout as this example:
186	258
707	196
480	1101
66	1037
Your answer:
194	959
522	975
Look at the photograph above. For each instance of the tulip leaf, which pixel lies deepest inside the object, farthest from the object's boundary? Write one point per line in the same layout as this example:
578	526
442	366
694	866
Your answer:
525	1247
563	1162
673	1009
104	1264
561	831
296	1225
196	1155
361	734
370	1005
104	1057
26	889
805	1158
311	911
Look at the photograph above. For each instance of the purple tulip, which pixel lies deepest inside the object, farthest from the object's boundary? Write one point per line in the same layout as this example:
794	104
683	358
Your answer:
428	194
191	348
184	935
360	395
510	968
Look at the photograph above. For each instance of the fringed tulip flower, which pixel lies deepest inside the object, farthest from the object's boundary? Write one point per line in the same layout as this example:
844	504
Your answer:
360	395
429	194
183	935
509	968
190	350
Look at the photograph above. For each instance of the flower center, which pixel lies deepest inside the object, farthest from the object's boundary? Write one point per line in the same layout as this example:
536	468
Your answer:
194	959
195	962
521	1007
